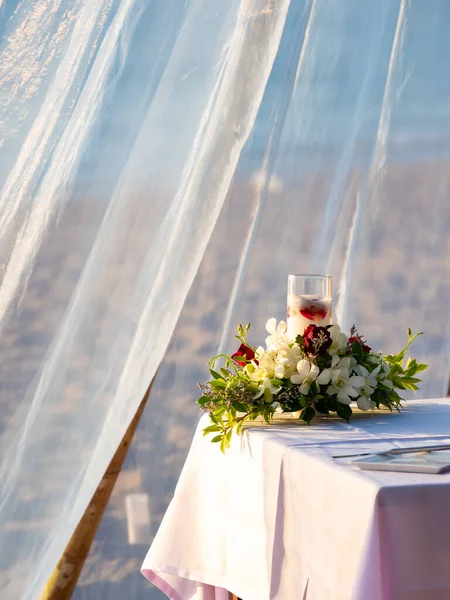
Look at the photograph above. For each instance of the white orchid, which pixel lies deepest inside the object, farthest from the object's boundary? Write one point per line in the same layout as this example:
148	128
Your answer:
384	374
365	403
267	362
287	358
339	340
383	371
370	379
371	382
306	373
387	383
337	364
278	336
343	385
255	372
267	385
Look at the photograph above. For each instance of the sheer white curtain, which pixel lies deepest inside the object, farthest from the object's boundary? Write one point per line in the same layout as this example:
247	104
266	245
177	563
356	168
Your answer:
121	125
347	172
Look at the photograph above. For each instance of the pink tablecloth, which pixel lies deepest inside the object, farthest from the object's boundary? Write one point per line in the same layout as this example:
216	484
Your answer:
277	518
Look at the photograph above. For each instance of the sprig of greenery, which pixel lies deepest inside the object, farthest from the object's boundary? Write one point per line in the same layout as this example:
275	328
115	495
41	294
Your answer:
242	333
403	377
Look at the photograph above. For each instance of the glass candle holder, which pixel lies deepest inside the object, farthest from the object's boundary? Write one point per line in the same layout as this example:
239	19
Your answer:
308	302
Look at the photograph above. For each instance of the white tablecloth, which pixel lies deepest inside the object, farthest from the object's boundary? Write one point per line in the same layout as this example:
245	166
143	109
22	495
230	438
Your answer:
277	517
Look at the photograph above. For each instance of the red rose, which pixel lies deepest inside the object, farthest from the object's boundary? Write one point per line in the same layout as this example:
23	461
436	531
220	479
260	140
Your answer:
244	351
316	340
364	346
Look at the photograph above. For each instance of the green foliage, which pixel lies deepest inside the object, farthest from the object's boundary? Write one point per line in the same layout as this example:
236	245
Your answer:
307	414
344	411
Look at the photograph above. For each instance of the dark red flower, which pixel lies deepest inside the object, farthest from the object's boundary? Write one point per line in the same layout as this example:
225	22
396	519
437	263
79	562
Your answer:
364	346
316	340
244	351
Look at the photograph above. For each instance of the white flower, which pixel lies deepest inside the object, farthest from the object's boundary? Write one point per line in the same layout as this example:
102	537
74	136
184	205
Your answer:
286	360
388	383
344	386
370	379
278	335
306	373
267	362
337	364
338	340
267	385
384	374
383	370
365	403
255	372
280	372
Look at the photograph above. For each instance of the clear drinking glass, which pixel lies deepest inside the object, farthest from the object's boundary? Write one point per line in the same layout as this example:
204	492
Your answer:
308	302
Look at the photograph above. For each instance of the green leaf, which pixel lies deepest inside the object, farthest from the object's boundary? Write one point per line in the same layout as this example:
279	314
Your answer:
398	383
344	411
225	373
376	397
411	365
304	401
357	351
307	414
332	403
315	388
321	406
219	383
217	438
203	400
211	429
411	380
239	406
267	395
400	356
267	415
215	374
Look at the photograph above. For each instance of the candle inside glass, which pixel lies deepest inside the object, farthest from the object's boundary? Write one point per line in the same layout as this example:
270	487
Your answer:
309	302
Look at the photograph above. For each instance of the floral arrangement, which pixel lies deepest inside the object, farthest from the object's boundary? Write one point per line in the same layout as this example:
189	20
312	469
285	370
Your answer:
323	371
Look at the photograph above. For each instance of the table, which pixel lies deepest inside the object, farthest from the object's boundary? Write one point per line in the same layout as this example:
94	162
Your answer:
278	518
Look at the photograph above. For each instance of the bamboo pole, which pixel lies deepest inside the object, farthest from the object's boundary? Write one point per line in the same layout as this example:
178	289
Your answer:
62	581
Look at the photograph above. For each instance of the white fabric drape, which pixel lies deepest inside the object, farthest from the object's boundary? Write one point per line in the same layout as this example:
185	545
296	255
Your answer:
346	171
122	123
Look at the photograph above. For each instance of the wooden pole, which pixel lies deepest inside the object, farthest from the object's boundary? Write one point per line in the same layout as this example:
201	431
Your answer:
63	580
